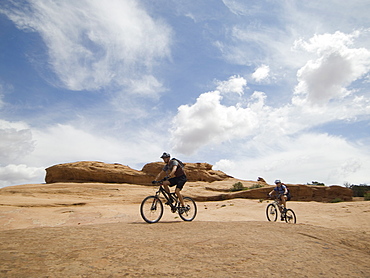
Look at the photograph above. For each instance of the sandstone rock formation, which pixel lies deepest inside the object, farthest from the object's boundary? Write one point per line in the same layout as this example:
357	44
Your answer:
261	180
217	188
93	171
299	192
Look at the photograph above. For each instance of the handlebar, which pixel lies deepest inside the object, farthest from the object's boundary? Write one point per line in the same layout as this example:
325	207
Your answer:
160	181
275	196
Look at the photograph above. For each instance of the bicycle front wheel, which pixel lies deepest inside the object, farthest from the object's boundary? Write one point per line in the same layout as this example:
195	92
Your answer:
271	212
290	217
188	212
151	209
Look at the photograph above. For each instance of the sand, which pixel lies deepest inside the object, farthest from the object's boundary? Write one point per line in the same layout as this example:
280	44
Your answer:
95	230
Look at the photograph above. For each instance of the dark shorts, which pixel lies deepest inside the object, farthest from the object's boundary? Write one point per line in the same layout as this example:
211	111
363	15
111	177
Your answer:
287	196
178	181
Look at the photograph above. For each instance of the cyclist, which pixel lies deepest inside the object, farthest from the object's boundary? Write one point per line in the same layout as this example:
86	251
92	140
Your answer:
282	190
176	176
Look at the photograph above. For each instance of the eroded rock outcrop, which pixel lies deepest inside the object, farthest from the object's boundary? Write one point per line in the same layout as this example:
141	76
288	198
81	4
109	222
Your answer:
299	192
217	188
94	171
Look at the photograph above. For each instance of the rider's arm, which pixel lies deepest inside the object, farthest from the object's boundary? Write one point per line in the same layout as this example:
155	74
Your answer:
285	190
158	176
172	174
272	191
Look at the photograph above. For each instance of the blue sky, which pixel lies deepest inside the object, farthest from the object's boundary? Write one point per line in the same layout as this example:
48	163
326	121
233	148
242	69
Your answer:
277	89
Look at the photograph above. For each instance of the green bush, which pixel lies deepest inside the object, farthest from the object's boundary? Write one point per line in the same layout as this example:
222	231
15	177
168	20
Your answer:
336	200
255	186
238	186
367	196
359	190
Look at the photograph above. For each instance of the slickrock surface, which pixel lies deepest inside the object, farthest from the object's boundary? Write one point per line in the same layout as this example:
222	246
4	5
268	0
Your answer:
95	230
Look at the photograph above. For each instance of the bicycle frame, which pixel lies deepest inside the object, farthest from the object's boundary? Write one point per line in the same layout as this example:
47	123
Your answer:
276	202
167	196
278	205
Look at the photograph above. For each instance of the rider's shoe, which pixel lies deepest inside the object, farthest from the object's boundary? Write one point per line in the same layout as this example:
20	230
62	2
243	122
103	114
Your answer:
184	209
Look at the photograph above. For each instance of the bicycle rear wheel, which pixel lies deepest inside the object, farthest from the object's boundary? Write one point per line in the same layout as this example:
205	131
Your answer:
271	212
290	216
151	209
188	212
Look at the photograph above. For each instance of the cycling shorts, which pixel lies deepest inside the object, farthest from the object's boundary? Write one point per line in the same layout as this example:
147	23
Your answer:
178	181
287	196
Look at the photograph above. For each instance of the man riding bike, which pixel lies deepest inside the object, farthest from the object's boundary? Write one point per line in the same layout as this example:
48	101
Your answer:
281	190
176	176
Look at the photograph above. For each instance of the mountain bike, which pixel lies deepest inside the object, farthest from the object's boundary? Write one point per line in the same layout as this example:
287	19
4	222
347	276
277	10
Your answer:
151	208
286	214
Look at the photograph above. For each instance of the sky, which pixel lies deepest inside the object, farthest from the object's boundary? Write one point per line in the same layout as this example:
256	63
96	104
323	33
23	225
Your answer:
269	88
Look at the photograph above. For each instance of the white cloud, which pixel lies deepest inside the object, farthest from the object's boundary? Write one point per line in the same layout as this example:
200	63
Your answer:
147	85
94	44
15	141
306	158
235	84
66	143
243	8
209	121
1	96
26	152
261	73
19	174
260	140
336	67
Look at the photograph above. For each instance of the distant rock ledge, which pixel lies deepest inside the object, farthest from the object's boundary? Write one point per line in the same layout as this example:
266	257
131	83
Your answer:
217	189
94	171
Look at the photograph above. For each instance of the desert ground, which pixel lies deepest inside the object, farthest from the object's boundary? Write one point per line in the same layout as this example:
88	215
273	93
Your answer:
95	230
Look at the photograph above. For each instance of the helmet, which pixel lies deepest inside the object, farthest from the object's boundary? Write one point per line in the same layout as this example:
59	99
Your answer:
164	155
277	181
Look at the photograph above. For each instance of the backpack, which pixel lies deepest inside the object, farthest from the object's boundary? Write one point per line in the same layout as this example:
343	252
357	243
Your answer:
289	196
182	165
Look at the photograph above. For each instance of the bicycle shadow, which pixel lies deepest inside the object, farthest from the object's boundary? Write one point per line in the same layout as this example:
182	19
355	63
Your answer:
160	222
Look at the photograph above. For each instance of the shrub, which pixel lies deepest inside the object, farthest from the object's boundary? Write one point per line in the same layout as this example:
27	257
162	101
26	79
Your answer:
238	186
255	186
359	190
336	200
316	183
367	196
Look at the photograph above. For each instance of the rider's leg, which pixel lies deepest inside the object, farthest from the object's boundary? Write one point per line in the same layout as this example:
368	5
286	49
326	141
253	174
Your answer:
283	201
178	194
165	185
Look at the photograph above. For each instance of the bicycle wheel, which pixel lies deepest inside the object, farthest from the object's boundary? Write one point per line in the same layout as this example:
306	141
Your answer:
271	212
189	212
290	217
151	209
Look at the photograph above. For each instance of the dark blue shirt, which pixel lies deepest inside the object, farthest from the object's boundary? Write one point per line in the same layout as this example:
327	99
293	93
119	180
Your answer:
280	189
